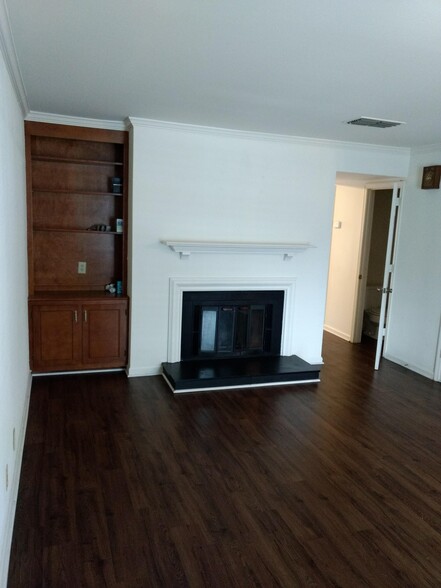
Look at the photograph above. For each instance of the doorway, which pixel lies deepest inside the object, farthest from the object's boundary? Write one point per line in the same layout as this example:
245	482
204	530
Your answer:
369	303
361	224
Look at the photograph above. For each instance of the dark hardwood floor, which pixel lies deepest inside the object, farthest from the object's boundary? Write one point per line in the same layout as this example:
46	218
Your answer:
330	484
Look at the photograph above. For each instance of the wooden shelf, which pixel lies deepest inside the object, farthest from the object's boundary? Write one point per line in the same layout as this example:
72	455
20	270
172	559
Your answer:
42	295
73	160
72	230
69	191
72	192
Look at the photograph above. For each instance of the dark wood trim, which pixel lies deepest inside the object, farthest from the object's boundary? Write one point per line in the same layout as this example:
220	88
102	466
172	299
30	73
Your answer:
29	200
73	132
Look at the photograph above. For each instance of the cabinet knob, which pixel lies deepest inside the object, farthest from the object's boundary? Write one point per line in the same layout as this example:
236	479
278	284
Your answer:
75	316
85	316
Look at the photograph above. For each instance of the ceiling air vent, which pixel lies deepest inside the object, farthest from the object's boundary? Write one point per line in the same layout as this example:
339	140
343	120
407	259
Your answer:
366	121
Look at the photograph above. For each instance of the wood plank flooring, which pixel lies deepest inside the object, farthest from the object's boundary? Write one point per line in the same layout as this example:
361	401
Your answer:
330	484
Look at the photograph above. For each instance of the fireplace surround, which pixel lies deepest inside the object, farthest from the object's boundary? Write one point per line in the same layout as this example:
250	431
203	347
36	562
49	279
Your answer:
177	287
204	373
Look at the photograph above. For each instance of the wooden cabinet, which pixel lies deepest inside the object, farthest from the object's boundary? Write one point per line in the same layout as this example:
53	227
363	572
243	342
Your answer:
71	335
77	244
55	336
104	333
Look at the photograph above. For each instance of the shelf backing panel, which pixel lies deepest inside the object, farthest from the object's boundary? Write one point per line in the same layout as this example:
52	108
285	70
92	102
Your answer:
56	257
58	210
76	149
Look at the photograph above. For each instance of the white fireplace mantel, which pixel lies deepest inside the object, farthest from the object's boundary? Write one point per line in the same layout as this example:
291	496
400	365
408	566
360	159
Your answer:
186	248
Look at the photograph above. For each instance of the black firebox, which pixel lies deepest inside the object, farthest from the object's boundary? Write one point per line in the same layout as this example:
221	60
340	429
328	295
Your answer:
231	324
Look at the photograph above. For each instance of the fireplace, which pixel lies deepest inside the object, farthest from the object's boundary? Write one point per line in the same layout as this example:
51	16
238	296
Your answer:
229	324
232	333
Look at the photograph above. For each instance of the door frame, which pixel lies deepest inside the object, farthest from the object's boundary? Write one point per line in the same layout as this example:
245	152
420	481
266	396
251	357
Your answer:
363	262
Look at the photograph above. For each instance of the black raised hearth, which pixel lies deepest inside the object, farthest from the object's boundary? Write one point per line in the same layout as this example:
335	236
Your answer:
198	375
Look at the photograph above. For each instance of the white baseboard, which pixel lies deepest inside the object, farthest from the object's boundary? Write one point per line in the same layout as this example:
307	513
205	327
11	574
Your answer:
317	360
336	332
6	547
144	371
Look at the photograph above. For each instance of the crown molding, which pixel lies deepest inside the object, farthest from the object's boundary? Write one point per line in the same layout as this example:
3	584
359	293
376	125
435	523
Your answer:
9	53
426	148
77	121
133	122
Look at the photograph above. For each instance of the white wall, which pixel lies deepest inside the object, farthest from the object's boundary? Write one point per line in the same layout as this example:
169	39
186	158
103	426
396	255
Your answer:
344	262
196	183
14	357
414	318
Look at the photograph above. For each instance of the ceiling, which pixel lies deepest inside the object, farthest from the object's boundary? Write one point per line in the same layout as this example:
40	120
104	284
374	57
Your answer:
291	67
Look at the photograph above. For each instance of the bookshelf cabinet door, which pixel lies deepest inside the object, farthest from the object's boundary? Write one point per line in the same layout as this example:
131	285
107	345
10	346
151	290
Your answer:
56	337
105	334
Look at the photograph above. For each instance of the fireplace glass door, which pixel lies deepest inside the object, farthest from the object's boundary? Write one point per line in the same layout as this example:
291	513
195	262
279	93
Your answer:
232	329
239	324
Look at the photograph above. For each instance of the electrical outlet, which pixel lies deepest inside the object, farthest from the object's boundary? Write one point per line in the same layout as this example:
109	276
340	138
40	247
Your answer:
82	267
13	438
7	477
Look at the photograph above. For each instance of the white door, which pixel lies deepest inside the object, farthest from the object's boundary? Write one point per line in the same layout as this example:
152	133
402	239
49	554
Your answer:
386	290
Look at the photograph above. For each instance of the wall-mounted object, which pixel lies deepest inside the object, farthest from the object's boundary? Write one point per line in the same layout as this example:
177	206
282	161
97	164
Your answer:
431	177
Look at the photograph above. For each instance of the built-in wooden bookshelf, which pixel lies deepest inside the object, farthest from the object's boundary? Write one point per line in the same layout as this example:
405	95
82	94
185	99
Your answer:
74	246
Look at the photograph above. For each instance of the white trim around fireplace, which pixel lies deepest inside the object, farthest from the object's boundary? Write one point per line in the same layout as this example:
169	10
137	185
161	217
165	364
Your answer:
177	287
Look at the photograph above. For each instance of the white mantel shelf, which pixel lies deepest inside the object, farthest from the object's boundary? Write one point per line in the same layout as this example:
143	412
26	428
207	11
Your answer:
187	248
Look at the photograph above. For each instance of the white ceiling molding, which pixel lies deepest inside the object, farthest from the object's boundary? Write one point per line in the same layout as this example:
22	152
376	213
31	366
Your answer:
133	122
77	121
7	48
427	148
